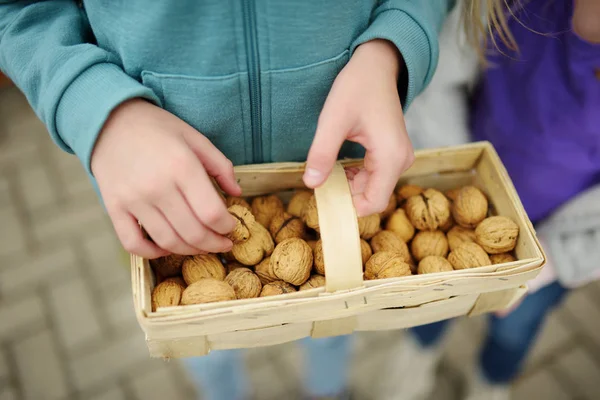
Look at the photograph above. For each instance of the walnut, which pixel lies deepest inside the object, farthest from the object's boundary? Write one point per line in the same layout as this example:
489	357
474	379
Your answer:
167	266
276	288
459	235
368	226
298	202
384	265
448	225
319	260
265	208
315	281
391	207
233	265
452	194
392	242
312	244
406	191
431	264
178	280
470	207
468	255
365	251
166	294
228	256
202	266
244	282
244	219
399	223
429	243
497	234
207	291
285	226
429	210
292	261
237	201
265	273
502	258
258	246
310	214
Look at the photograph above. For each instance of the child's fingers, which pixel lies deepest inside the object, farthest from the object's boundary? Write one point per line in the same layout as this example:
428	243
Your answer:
215	163
161	231
130	235
190	229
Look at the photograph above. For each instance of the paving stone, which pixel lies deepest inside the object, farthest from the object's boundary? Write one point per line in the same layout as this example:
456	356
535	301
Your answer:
5	197
36	271
582	372
120	311
157	384
553	335
8	393
541	385
19	315
110	361
74	313
581	308
107	266
4	373
114	393
463	341
12	234
39	368
37	187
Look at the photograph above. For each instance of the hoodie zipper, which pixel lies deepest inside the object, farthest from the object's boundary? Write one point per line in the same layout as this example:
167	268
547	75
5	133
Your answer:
253	63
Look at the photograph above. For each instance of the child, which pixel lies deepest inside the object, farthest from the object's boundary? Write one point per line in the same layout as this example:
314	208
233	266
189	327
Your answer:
540	110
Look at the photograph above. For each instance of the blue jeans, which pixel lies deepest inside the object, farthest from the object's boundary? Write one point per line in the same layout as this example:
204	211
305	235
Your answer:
509	339
221	375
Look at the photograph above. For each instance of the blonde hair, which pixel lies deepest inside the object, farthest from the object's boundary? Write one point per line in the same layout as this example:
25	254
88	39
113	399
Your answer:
484	21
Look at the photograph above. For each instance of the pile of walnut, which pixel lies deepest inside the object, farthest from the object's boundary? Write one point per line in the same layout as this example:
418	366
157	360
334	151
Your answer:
277	248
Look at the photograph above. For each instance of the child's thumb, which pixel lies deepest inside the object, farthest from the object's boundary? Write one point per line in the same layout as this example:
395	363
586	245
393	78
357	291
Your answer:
324	151
215	163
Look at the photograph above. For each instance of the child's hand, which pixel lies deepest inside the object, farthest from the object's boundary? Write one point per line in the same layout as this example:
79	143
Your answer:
153	167
363	106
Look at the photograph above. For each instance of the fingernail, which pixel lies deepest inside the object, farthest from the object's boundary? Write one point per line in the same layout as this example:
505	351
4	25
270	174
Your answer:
312	177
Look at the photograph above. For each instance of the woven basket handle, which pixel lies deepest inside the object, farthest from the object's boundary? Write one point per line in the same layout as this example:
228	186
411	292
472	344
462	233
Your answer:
338	226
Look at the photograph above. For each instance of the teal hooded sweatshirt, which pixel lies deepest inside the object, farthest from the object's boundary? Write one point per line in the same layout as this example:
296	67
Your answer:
251	75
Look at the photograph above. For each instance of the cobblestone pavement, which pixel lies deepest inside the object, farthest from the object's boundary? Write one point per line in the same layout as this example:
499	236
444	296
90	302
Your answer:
67	328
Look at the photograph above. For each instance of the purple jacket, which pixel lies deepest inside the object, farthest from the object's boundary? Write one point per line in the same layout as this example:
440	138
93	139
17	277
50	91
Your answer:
541	108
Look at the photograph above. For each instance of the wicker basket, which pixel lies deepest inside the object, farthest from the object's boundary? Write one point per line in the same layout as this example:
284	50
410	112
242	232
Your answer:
348	303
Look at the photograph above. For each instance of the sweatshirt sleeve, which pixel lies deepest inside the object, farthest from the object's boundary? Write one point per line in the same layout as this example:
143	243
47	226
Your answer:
571	237
47	50
413	26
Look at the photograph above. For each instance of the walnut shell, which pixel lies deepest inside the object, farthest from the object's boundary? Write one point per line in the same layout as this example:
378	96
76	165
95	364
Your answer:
452	193
237	201
244	282
265	273
285	226
244	219
178	280
468	255
459	235
315	281
276	288
392	242
233	265
368	226
203	266
298	202
429	210
310	214
497	234
429	243
166	294
470	207
318	259
292	261
391	207
502	258
228	256
448	225
312	244
399	223
265	208
365	251
258	246
431	264
207	291
384	265
168	266
406	191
